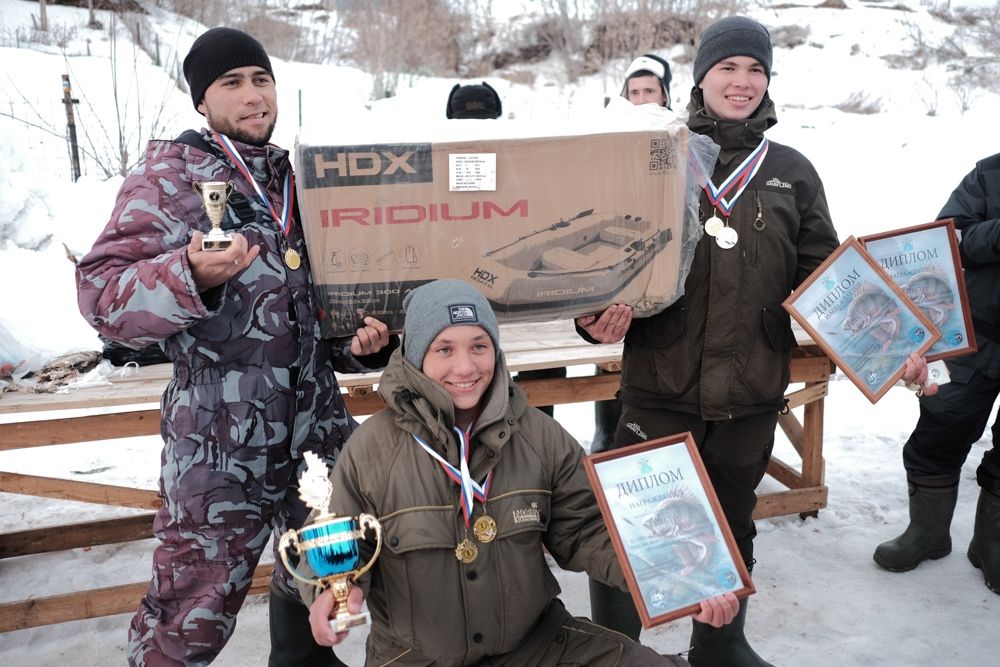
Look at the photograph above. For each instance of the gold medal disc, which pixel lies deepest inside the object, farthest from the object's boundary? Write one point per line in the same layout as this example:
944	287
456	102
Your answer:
292	259
466	552
485	529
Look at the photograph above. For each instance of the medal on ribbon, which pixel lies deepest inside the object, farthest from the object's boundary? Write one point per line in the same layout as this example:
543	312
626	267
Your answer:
293	260
725	236
484	528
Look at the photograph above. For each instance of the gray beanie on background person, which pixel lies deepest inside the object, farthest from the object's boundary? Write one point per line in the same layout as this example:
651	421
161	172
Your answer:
437	305
732	36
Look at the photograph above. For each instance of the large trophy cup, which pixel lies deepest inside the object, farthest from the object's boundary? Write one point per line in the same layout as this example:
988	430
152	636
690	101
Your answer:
330	543
214	197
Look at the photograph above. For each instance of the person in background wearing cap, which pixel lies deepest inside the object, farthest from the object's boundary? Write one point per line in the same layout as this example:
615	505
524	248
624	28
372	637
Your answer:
647	81
253	385
461	583
477	100
483	101
716	362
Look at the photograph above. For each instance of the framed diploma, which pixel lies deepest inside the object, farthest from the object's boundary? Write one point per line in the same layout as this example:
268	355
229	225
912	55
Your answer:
861	319
923	261
667	527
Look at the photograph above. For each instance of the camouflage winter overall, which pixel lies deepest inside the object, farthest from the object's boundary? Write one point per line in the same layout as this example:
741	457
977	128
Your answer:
253	386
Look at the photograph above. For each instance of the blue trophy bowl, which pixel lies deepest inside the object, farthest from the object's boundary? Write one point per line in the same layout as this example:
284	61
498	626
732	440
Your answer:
331	546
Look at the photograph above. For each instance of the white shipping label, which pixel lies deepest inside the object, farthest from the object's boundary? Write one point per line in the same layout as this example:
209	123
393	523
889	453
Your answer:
472	172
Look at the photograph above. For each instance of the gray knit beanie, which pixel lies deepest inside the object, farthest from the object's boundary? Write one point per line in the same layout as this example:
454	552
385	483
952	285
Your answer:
732	36
216	52
437	305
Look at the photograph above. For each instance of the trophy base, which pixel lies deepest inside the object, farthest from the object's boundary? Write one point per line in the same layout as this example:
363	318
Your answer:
341	623
215	243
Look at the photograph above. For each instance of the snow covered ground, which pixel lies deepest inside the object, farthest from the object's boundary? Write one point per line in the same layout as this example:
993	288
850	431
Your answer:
821	600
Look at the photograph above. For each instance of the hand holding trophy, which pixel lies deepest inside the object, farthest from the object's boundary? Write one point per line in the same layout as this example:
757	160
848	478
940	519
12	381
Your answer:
214	197
330	543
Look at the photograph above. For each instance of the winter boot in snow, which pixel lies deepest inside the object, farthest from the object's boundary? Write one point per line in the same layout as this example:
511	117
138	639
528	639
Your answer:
292	643
723	647
984	550
928	535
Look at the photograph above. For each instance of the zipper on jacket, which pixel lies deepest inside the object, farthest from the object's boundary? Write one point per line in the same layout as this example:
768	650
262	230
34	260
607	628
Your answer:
758	228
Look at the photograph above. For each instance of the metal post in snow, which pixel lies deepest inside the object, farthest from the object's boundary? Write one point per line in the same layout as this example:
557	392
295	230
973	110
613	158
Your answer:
74	148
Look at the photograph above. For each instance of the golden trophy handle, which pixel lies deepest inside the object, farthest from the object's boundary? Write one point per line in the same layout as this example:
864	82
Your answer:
367	521
291	540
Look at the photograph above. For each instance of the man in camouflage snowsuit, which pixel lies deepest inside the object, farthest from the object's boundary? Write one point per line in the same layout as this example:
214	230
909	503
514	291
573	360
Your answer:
253	385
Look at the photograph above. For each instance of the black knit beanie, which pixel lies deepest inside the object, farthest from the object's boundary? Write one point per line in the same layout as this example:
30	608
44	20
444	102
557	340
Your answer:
216	52
473	101
732	36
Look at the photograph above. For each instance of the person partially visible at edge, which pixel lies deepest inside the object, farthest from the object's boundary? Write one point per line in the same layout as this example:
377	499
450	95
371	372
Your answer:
955	418
253	385
459	585
647	81
716	362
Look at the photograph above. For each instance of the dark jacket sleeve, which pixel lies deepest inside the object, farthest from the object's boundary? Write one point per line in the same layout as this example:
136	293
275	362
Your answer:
969	206
345	362
817	237
577	537
135	285
582	333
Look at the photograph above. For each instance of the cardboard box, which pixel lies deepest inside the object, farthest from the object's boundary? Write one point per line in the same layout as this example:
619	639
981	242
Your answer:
546	227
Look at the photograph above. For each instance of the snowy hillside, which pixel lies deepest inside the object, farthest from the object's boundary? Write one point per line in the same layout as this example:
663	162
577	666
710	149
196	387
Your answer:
890	140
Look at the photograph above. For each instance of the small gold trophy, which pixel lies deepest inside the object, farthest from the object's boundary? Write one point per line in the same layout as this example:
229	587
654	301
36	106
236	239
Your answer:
214	197
330	543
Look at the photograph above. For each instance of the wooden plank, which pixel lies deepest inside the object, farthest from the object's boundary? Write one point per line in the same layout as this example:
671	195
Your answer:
92	603
76	535
795	501
784	473
88	492
813	466
66	430
790	425
557	391
526	346
809	369
811	392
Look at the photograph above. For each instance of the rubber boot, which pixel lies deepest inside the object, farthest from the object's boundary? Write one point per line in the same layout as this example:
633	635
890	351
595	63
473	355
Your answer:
984	550
928	535
613	608
292	643
724	647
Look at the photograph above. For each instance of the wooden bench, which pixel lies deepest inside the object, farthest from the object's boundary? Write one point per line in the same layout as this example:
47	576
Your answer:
130	407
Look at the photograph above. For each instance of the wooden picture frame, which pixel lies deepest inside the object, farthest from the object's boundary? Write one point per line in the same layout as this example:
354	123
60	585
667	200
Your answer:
861	319
923	261
669	532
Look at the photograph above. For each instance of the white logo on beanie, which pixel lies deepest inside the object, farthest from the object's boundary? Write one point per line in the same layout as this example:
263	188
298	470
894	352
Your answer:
462	313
